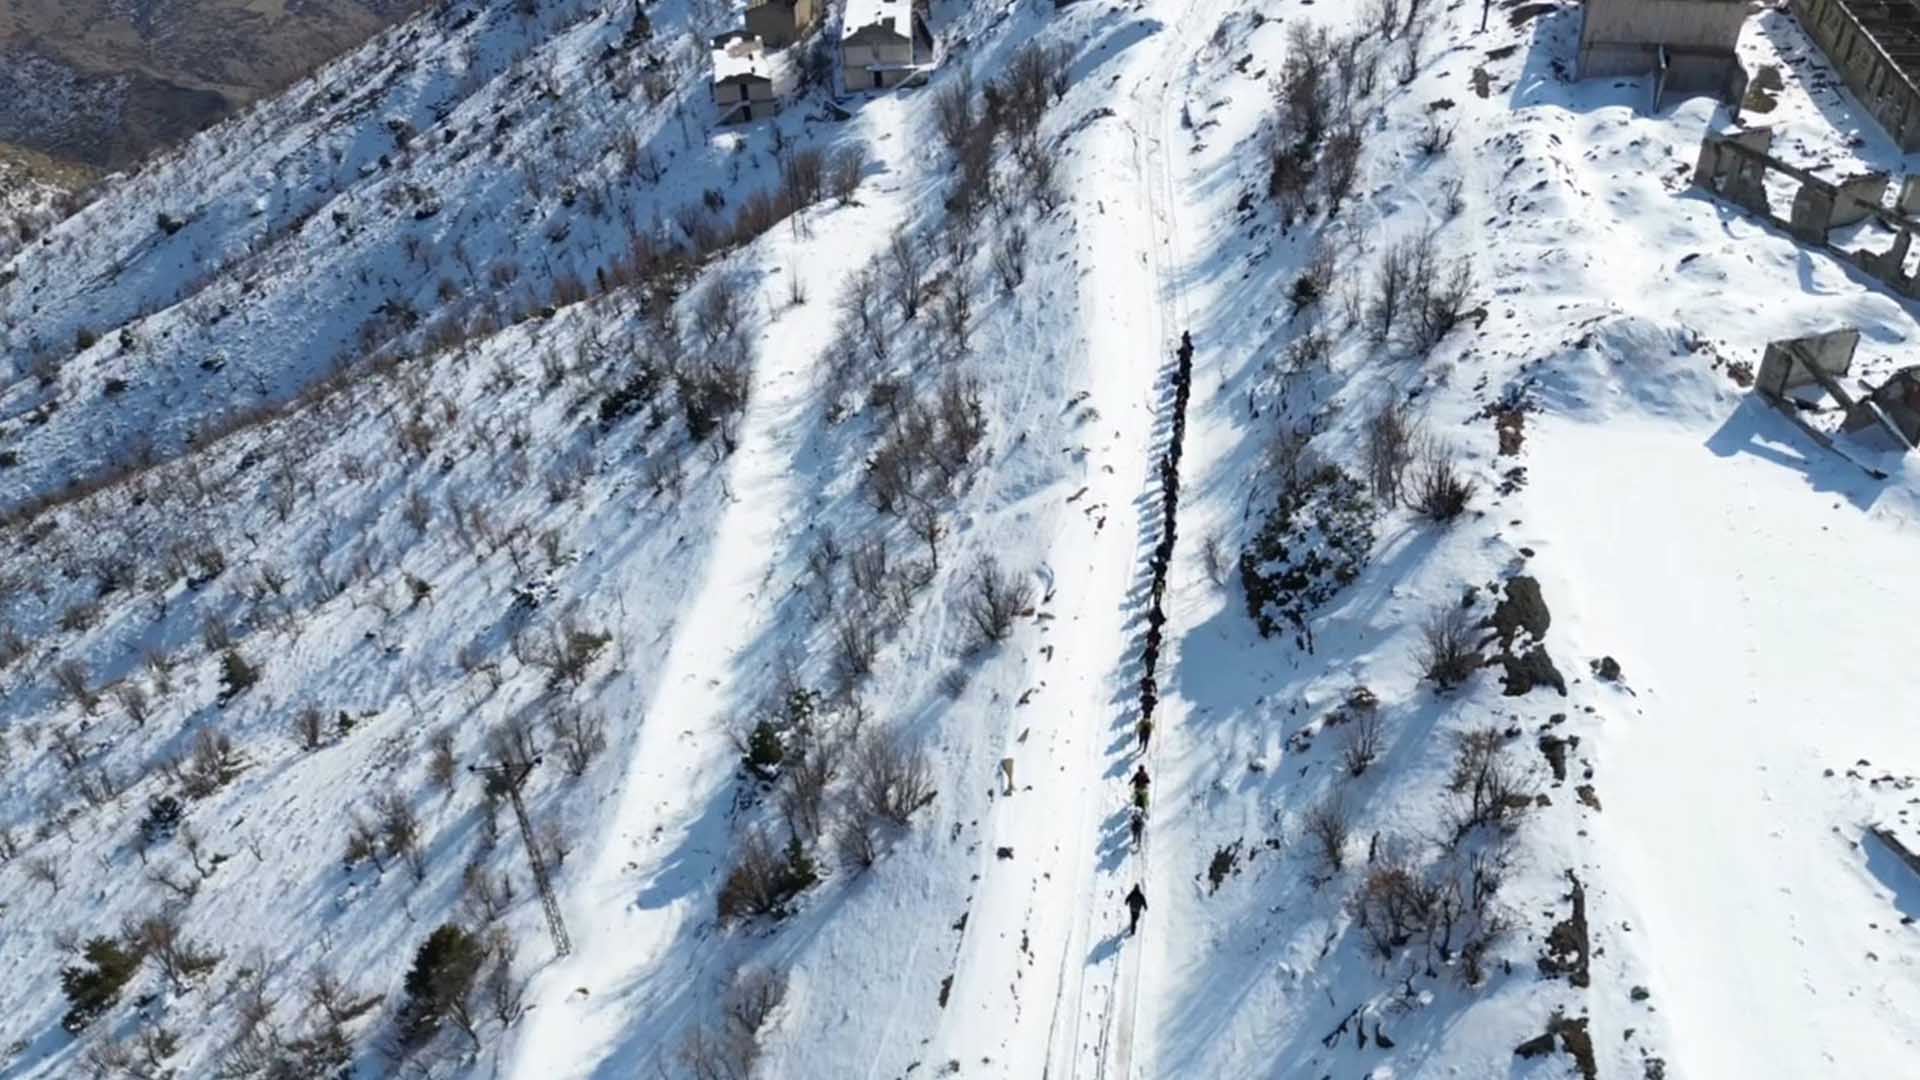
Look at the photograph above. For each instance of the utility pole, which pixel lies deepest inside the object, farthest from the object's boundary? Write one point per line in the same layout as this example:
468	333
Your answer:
508	776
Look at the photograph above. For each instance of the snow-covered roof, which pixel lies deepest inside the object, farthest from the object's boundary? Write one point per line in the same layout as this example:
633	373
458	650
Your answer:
894	15
741	57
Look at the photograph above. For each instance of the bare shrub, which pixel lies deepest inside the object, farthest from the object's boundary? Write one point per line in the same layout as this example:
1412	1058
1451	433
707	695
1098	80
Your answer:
1214	559
1340	165
133	701
856	638
69	750
442	769
1449	654
996	600
45	870
889	780
70	676
907	266
1009	257
1440	491
1395	901
762	880
844	172
180	959
1440	299
580	734
211	764
1304	89
1328	828
1392	282
1488	786
400	832
803	179
856	840
1390	436
1362	747
953	111
310	728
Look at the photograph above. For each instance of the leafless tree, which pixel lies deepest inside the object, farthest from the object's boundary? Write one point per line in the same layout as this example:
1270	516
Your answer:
1390	438
953	110
856	839
1327	826
1449	654
160	936
1009	257
45	870
442	769
1487	786
580	734
1362	747
133	700
70	675
907	265
844	172
996	600
68	748
1440	491
889	779
310	727
400	832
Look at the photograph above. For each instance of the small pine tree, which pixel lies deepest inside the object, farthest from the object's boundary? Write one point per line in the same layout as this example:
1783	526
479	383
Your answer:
93	988
236	675
443	972
764	751
800	869
163	817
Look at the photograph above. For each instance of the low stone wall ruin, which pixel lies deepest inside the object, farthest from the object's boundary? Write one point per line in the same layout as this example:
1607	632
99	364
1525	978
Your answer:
1735	168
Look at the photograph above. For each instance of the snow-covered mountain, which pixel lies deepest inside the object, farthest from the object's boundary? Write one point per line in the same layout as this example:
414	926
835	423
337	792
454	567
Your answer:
799	516
107	83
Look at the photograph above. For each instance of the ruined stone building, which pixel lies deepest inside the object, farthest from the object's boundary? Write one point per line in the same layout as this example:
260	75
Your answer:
1736	167
1686	45
1875	45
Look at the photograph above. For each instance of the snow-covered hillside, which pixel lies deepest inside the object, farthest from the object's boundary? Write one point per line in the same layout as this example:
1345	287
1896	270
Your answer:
797	496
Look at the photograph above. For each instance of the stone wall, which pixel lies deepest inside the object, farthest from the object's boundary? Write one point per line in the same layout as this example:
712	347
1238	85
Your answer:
1875	45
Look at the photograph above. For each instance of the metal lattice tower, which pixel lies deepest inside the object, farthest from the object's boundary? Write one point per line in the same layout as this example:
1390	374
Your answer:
510	776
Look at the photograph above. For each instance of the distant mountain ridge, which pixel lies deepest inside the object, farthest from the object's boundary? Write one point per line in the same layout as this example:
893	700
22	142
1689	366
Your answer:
104	83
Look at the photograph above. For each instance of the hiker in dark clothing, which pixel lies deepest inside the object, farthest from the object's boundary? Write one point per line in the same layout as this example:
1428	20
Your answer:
1136	903
1141	779
1145	731
1138	827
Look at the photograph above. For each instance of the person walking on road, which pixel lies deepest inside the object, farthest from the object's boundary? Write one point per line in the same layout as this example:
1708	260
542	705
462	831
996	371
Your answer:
1136	903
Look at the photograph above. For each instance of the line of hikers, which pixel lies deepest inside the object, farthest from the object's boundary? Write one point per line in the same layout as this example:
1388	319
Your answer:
1163	551
1156	614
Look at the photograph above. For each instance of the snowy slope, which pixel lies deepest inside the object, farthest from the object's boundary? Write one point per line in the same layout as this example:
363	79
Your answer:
318	367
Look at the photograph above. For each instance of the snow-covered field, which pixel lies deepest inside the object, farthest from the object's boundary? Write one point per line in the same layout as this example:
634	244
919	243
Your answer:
373	388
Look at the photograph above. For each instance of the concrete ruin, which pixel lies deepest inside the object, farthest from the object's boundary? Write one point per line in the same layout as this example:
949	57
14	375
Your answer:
1688	46
1875	45
1822	360
1736	167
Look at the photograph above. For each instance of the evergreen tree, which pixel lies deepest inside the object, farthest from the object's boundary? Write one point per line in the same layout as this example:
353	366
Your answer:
236	675
94	987
443	972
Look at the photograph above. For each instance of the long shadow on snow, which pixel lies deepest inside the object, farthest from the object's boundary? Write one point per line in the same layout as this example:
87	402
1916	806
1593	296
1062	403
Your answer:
1756	429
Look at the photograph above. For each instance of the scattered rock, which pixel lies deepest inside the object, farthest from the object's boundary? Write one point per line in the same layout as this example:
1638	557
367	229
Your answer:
1606	669
1573	1039
1567	945
1639	993
1003	853
1588	797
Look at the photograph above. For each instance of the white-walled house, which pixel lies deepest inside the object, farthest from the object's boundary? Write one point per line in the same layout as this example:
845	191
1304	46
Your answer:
882	42
748	84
